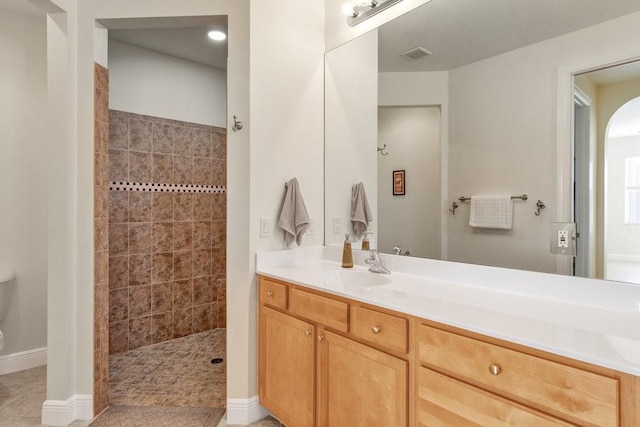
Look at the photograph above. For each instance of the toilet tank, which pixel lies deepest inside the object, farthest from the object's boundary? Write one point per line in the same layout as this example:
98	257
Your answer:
6	285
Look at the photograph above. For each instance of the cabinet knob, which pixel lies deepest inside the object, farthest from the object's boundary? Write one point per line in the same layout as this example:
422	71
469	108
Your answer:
307	332
269	294
495	369
320	337
376	329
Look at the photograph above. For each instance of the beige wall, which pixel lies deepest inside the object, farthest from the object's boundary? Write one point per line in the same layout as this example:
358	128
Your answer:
503	133
412	221
351	97
23	163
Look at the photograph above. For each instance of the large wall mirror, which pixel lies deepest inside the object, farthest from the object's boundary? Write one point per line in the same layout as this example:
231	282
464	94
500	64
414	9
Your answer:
478	98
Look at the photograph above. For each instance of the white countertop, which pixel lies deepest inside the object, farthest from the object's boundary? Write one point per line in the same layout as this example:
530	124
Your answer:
594	321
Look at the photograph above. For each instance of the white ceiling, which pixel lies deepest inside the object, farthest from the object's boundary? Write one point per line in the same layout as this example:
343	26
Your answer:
460	32
184	38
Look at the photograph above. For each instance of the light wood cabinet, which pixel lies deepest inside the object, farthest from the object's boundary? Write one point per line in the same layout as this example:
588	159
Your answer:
286	367
327	361
358	385
306	340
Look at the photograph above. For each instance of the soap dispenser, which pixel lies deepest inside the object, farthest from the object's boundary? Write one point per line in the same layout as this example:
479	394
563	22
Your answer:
347	254
365	241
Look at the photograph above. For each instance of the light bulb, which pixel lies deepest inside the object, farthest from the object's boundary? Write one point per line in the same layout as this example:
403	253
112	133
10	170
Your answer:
216	35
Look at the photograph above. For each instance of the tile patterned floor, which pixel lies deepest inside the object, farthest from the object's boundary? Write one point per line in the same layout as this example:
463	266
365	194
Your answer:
21	397
176	373
22	393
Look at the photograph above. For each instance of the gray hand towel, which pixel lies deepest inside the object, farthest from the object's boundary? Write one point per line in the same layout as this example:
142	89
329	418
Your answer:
294	219
360	212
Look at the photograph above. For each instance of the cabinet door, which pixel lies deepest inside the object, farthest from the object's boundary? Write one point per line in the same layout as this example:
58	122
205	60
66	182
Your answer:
286	367
358	385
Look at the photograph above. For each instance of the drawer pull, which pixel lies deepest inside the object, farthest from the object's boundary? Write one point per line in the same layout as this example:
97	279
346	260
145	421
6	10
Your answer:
376	329
495	369
320	337
307	332
269	294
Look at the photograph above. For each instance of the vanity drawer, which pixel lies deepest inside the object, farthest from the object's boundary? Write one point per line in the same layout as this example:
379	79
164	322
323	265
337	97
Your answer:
444	401
578	395
325	311
379	328
273	293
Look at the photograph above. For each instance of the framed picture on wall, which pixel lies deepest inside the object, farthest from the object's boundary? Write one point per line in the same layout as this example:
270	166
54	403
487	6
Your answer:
398	183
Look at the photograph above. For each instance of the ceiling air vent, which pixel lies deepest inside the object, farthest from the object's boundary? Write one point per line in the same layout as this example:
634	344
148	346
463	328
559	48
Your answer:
416	53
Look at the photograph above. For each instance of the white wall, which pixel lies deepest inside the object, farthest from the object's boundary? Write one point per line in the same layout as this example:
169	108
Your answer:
147	82
23	165
287	129
412	221
502	140
425	89
351	100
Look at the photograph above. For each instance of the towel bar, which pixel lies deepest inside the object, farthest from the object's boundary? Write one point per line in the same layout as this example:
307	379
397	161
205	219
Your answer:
466	199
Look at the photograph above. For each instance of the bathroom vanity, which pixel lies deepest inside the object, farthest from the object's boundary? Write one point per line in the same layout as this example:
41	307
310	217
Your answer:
349	347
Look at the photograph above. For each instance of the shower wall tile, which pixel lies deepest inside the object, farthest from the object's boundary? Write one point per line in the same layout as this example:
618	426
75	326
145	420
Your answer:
118	206
118	272
139	269
183	206
140	166
162	237
102	235
167	247
118	132
118	165
140	135
162	207
140	206
162	138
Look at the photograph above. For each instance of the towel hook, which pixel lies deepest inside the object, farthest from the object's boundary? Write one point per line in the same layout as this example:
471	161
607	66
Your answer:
453	208
381	150
540	205
237	125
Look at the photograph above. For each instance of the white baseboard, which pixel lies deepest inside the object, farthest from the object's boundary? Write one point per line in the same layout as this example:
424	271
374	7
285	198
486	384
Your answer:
64	412
245	411
22	360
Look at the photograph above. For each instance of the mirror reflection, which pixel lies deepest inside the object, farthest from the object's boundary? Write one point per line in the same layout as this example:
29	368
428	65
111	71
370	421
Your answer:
482	103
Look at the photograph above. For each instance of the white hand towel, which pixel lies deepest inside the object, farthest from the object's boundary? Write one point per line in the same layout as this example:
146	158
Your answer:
360	212
294	218
491	212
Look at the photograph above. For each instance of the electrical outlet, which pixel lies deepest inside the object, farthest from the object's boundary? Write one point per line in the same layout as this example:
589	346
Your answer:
563	238
265	227
337	227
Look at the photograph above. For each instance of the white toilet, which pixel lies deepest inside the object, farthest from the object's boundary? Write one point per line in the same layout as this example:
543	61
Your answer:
6	285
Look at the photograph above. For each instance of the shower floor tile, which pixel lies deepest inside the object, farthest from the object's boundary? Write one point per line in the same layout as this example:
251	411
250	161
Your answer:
176	373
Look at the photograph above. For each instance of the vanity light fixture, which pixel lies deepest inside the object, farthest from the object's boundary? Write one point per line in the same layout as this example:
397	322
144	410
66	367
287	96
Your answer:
365	10
216	35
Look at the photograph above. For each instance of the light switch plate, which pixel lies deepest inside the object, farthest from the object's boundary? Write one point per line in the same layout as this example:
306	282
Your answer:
563	238
265	227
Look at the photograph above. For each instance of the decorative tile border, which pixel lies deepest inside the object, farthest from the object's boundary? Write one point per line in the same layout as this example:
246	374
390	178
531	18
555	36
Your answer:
166	188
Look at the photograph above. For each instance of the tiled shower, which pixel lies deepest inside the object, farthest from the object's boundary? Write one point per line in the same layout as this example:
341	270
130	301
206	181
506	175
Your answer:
167	229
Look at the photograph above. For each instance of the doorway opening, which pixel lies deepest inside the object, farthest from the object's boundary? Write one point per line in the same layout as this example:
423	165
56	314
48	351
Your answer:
605	127
166	210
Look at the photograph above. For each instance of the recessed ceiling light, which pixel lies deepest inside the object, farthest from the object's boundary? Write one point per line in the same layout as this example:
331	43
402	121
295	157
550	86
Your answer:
216	35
